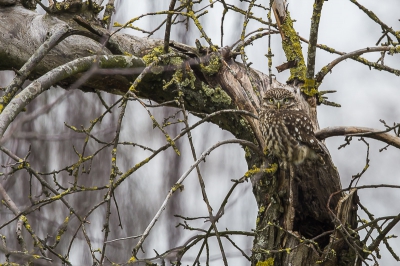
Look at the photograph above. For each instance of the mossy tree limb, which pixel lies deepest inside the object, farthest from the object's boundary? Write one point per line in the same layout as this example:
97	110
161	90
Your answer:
290	42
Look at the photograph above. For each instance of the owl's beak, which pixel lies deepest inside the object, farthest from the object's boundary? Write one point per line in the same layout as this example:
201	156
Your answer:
278	104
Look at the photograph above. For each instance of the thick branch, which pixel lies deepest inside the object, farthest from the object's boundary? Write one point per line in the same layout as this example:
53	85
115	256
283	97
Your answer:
359	132
34	89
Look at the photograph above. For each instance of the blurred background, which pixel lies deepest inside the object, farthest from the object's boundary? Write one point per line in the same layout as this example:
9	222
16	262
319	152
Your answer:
366	96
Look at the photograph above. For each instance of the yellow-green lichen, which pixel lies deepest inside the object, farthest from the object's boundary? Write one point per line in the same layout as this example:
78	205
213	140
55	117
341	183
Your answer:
177	186
22	218
153	56
176	79
186	79
138	165
172	143
324	70
252	171
247	153
267	262
132	259
292	48
23	165
189	80
271	169
6	98
394	50
212	67
217	95
59	196
309	87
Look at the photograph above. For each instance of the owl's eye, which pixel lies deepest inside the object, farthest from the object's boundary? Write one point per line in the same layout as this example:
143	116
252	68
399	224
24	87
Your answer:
270	100
286	101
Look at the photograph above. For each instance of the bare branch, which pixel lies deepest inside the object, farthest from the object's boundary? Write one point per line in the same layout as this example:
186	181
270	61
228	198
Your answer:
326	69
361	132
316	16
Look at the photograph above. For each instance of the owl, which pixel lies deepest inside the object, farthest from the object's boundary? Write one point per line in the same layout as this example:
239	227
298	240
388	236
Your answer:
287	130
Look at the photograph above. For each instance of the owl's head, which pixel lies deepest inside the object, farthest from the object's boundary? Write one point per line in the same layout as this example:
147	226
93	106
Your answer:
279	99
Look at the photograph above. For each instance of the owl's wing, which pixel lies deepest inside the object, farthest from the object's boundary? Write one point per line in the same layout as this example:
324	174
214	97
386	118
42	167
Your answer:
300	127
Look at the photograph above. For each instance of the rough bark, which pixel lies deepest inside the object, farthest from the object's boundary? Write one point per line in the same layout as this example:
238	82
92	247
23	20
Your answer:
291	206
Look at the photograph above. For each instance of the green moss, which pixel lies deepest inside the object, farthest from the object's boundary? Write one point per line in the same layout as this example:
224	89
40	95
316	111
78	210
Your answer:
217	95
309	87
189	80
292	47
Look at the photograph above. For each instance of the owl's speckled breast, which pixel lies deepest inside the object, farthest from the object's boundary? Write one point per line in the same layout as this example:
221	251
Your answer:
279	142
